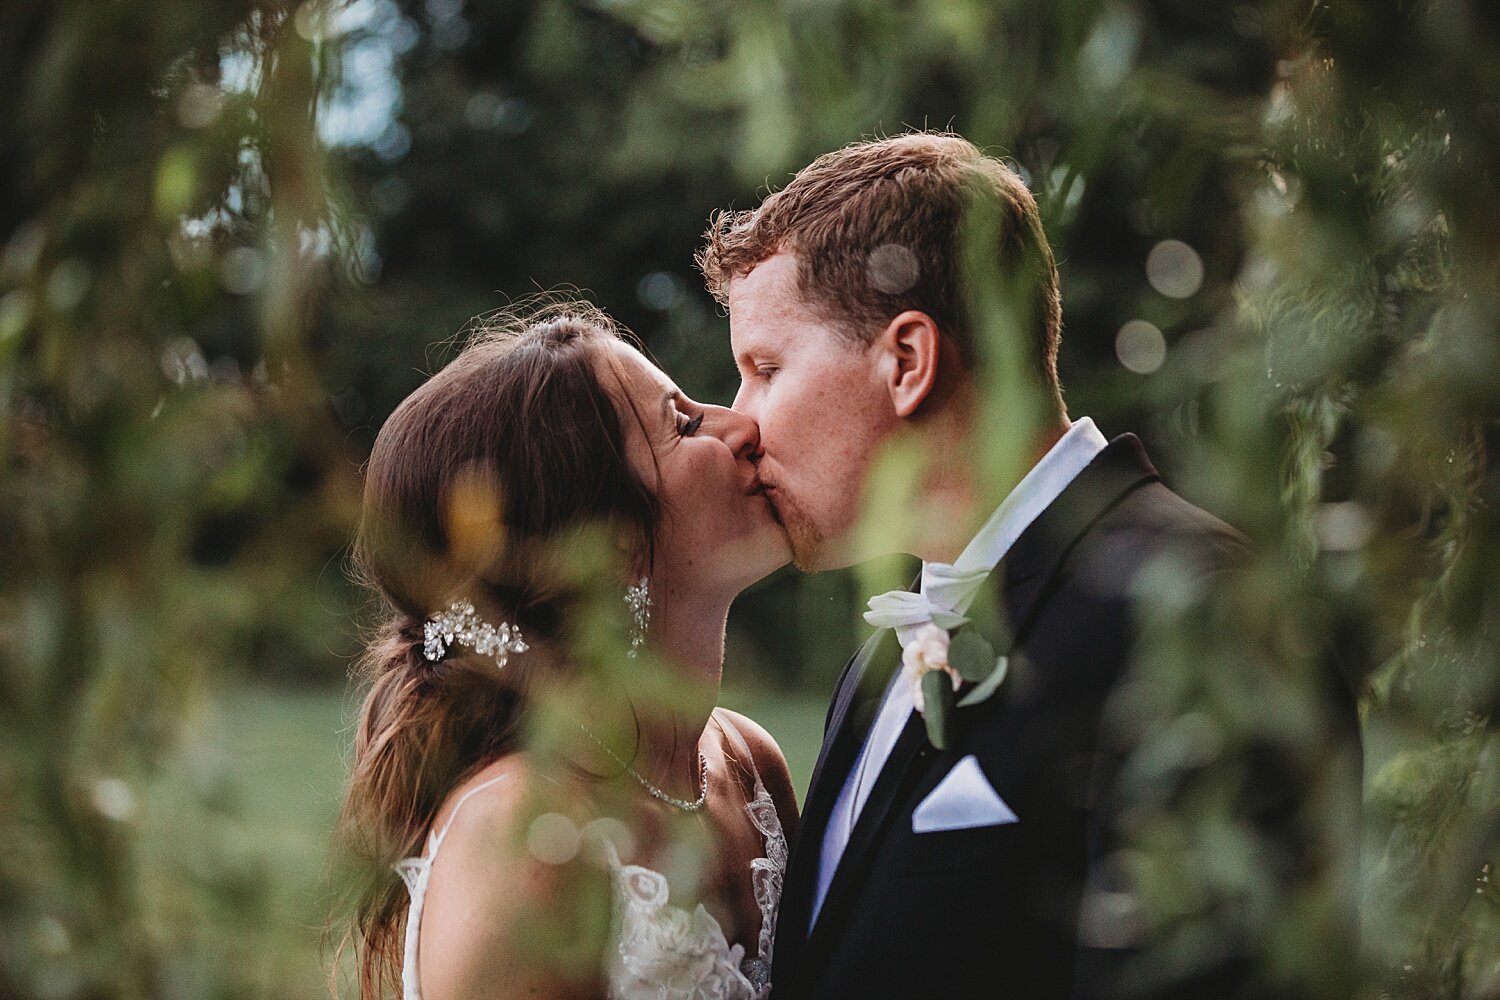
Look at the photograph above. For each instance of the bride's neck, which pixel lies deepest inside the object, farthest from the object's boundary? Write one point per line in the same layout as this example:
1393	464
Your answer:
685	638
687	631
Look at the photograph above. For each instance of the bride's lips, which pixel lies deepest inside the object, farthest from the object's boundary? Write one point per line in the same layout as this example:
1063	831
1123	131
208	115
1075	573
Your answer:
767	493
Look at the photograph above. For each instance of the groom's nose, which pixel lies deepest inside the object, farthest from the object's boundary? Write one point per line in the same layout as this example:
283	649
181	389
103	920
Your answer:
744	402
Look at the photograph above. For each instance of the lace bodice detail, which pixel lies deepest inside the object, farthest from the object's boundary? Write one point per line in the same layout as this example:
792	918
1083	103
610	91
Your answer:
666	953
662	952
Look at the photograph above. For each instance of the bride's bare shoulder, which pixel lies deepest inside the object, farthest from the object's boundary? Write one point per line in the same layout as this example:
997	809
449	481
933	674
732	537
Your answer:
497	817
505	869
769	762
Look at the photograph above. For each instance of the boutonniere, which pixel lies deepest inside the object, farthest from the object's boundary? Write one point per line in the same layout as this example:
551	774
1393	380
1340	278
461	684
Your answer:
937	665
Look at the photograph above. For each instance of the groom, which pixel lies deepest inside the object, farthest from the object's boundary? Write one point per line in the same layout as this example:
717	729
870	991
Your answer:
991	858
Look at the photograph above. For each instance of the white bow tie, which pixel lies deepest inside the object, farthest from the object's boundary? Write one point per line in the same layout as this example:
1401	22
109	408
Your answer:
946	593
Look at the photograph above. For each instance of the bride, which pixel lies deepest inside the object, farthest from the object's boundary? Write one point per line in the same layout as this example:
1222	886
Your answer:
568	813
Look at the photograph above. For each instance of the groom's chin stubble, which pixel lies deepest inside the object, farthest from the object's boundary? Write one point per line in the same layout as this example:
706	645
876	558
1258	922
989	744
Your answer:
807	543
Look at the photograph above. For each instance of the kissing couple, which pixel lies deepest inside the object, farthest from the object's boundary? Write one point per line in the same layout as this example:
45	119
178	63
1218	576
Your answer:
570	814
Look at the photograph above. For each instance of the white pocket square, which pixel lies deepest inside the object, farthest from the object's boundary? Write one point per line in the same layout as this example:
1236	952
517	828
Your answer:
963	800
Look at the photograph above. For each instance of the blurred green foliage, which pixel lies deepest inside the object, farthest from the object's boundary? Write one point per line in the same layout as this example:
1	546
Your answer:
232	233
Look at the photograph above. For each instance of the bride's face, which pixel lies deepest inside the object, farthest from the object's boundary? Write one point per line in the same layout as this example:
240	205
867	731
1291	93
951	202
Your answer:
717	531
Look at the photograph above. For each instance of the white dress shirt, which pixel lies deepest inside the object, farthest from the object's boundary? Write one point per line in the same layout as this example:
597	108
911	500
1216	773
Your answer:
951	588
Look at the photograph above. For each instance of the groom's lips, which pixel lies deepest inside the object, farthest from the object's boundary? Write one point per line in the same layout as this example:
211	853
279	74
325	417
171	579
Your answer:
768	491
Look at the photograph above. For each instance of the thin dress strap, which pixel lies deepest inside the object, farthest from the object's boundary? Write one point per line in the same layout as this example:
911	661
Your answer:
415	872
435	838
741	748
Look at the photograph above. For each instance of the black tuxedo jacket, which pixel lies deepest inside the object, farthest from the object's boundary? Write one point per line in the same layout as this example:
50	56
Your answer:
995	911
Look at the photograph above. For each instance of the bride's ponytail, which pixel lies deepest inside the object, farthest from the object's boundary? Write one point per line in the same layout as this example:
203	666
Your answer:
471	483
423	727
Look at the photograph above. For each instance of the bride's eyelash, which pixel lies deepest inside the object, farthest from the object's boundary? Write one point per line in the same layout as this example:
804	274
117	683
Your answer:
691	427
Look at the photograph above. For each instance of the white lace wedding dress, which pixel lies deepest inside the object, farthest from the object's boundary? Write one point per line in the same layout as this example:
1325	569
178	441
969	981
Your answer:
662	951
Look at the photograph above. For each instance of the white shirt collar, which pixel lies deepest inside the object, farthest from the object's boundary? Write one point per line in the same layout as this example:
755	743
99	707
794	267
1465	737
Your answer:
1033	494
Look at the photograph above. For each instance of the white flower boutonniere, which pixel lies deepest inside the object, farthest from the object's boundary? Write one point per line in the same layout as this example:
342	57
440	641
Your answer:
927	652
937	665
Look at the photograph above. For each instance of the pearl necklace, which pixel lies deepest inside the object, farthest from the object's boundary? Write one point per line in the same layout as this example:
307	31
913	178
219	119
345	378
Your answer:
655	792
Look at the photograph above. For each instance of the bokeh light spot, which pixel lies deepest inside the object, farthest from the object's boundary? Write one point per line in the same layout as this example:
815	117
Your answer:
892	268
1174	269
199	105
450	33
176	180
67	284
392	143
1140	347
483	109
474	518
553	839
516	116
52	937
608	829
661	291
14	312
113	799
311	21
243	271
1343	527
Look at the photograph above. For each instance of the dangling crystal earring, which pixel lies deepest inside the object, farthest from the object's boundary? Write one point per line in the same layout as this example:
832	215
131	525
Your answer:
638	602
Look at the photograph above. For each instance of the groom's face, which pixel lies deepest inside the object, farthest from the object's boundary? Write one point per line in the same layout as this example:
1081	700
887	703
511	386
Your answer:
821	404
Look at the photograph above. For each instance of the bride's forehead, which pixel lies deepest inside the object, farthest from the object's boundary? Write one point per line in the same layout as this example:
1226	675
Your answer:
640	375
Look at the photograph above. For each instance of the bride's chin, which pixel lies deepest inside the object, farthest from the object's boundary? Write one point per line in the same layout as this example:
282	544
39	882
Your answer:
754	556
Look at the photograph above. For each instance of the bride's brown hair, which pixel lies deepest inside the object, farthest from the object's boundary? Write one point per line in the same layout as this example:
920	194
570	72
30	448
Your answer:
474	482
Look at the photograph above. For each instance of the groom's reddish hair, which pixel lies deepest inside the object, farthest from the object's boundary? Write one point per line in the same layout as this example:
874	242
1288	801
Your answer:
881	226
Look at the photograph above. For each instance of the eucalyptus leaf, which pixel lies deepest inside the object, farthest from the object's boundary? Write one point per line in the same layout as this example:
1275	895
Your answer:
971	655
948	620
988	685
937	693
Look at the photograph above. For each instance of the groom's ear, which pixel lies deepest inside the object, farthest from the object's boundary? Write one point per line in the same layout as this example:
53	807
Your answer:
910	347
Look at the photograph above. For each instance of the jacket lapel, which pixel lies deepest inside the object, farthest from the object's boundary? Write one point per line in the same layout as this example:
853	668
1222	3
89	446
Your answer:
890	788
1031	566
847	719
856	701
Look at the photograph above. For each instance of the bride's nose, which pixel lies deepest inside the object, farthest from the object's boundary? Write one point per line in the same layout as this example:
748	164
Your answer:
735	429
